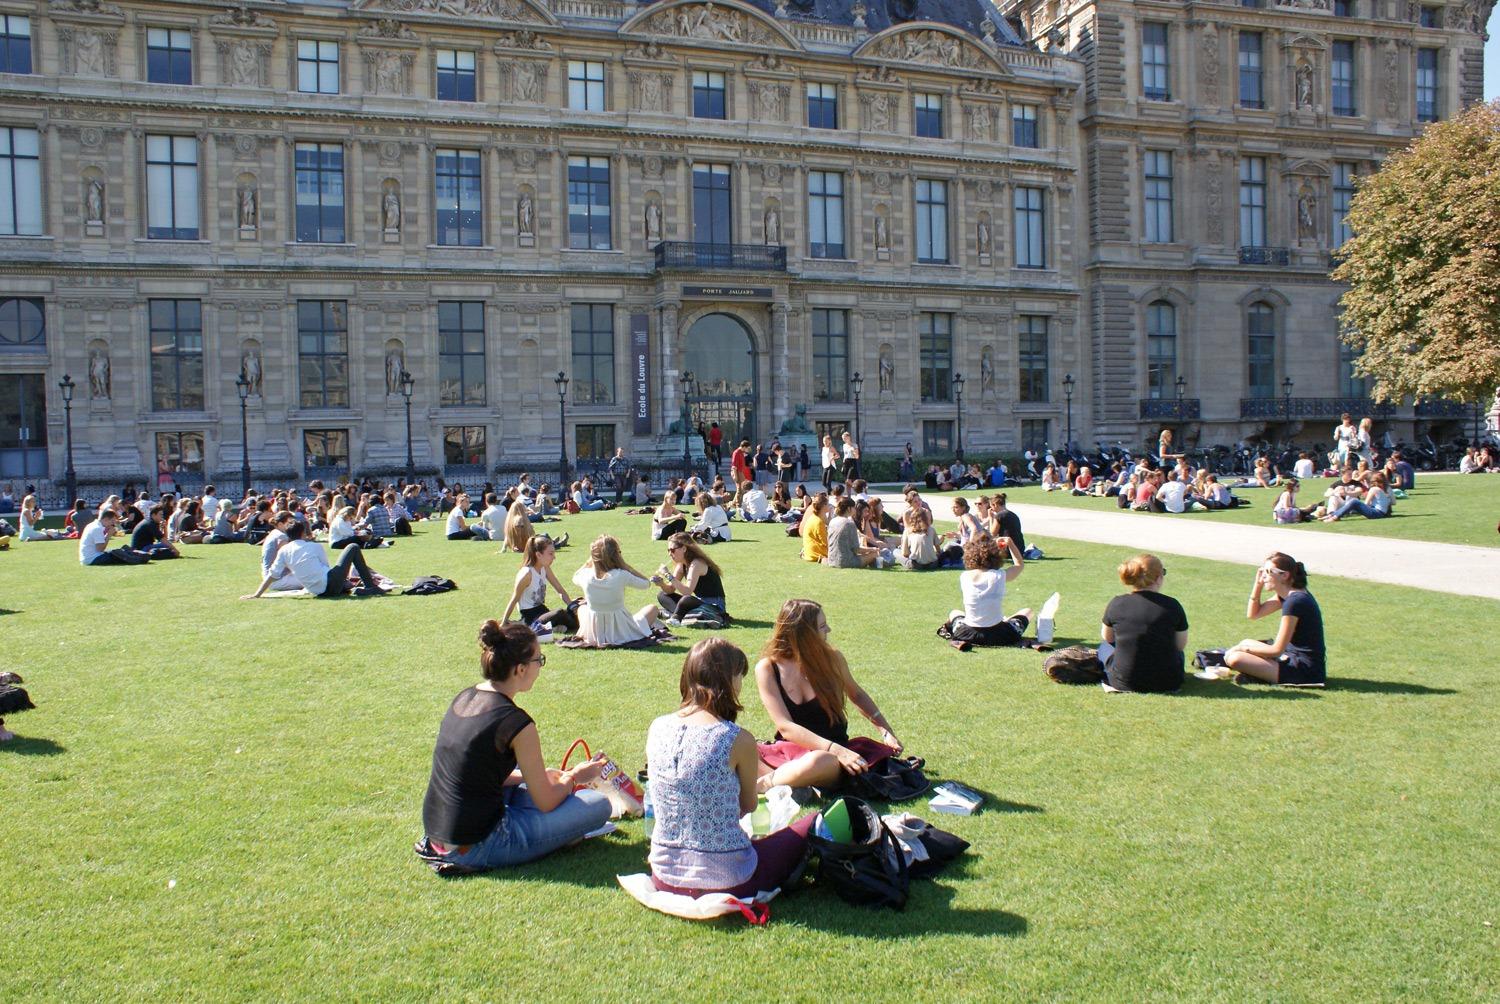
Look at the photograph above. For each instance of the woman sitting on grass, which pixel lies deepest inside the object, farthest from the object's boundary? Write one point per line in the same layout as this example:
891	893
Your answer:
781	502
1144	632
667	519
603	620
918	542
31	515
491	800
703	771
803	683
692	580
457	528
712	519
530	593
1296	657
1376	503
982	621
1286	510
516	529
585	500
814	528
1050	482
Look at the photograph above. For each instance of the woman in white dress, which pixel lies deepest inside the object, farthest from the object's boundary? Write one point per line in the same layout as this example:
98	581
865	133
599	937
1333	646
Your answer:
603	620
830	463
712	519
31	515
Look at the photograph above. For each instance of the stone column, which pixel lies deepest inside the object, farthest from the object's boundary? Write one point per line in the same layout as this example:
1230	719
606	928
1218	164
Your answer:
780	371
667	341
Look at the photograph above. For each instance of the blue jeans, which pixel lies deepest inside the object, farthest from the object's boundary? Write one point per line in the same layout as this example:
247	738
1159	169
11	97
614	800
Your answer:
593	506
1359	506
526	833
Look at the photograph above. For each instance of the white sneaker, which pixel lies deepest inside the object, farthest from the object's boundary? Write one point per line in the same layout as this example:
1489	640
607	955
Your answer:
544	636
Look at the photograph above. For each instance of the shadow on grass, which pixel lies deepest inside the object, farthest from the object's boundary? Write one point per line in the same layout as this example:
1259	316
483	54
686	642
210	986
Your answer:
1225	690
746	622
27	746
928	911
1383	687
4	612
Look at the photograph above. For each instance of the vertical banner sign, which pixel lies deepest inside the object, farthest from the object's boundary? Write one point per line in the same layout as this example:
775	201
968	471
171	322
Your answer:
640	371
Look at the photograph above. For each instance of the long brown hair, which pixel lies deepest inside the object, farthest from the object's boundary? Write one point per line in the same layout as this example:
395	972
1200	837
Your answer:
708	675
534	547
797	636
605	556
693	551
517	529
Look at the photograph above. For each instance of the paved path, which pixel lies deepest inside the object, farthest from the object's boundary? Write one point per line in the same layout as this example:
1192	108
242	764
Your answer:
1448	568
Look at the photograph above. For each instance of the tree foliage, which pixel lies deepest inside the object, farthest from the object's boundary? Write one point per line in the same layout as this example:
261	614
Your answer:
1424	265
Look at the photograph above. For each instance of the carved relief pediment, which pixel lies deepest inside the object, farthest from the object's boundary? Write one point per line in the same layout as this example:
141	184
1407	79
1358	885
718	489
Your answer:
932	44
711	21
517	11
1316	43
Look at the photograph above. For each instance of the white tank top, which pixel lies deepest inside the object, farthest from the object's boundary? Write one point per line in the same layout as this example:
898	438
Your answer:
535	593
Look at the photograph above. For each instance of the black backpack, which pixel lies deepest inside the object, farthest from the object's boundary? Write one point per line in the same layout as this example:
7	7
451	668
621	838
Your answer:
894	779
426	585
869	870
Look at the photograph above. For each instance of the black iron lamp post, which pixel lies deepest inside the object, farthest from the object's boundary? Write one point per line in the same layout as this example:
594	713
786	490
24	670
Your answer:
687	422
857	384
1068	384
1181	393
958	393
1286	394
243	386
67	386
562	434
408	383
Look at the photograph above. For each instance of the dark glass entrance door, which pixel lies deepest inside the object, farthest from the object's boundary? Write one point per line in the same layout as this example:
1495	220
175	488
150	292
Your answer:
721	357
23	425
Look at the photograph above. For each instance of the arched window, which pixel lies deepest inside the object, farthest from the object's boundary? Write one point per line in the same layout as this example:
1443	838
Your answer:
1261	349
1161	350
22	325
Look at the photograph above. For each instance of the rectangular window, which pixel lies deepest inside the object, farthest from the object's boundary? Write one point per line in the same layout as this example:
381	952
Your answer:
708	95
1035	433
1161	350
1427	85
461	362
1252	4
1253	202
711	204
1023	126
456	80
830	348
929	115
319	169
176	355
1035	385
937	437
593	353
456	193
1341	70
936	349
1031	240
317	66
1155	68
181	452
1252	80
20	182
326	448
464	446
1344	173
172	188
323	353
588	203
1350	383
1261	351
822	106
586	85
1431	17
15	44
825	214
593	442
1343	8
932	221
1158	197
169	56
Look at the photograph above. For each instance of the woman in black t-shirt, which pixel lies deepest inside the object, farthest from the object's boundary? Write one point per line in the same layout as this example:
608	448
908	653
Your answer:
1296	657
492	801
1144	631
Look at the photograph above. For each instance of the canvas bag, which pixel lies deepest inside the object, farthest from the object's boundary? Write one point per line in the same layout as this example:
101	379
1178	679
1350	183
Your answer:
870	869
625	796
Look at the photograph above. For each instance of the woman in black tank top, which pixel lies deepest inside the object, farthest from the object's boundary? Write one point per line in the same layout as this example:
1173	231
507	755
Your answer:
692	580
804	684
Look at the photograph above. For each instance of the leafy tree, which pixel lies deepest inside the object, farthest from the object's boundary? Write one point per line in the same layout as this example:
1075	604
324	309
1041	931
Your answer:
1424	265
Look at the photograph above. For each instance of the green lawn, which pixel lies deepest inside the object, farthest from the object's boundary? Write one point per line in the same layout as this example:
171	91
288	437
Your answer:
269	758
1450	509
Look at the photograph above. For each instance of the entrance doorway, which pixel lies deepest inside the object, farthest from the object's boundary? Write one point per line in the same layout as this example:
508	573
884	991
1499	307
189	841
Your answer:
23	425
720	354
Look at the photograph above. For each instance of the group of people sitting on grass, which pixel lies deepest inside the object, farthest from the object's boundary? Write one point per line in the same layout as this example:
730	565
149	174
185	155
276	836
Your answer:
1368	494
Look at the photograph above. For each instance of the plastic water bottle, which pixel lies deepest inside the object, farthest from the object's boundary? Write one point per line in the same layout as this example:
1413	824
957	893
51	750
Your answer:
760	819
649	813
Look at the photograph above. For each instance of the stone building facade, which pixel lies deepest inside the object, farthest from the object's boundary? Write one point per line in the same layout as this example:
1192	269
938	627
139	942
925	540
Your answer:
305	202
1221	144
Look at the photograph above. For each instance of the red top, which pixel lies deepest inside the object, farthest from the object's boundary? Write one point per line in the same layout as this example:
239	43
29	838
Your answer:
715	436
738	465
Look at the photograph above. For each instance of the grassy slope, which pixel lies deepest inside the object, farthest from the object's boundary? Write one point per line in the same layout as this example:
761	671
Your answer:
271	757
1447	509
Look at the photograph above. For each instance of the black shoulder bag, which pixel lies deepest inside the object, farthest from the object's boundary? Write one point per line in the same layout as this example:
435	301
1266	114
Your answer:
869	870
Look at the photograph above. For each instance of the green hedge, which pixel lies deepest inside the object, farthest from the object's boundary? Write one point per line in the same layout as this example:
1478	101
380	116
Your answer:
883	467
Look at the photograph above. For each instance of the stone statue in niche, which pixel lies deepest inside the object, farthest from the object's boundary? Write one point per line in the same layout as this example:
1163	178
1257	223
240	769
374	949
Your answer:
525	220
1307	213
887	371
99	374
882	233
653	222
244	65
984	236
390	74
1304	86
390	209
528	83
395	365
93	201
773	226
88	52
986	371
250	370
248	199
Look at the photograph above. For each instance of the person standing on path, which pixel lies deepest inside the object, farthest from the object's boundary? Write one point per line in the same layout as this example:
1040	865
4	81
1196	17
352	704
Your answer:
619	471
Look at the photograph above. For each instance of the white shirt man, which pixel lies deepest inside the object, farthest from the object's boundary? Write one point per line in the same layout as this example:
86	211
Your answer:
307	563
754	506
95	539
210	505
493	521
1173	495
1303	468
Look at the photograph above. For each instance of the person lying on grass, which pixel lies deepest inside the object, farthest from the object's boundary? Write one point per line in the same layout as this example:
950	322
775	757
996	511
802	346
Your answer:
982	621
803	683
492	801
308	564
703	770
1376	503
1296	656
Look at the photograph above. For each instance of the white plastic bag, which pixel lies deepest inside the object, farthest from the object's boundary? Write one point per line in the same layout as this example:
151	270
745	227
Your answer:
1046	621
780	809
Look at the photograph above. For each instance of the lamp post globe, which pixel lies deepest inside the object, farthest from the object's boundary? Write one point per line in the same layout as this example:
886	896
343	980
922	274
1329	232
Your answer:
1286	394
561	380
67	386
242	386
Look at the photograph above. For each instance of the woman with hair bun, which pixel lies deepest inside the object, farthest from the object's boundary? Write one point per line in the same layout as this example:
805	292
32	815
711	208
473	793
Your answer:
1144	631
703	771
492	801
1296	657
